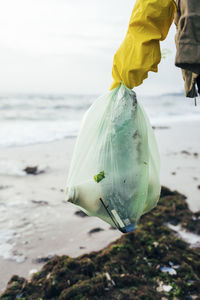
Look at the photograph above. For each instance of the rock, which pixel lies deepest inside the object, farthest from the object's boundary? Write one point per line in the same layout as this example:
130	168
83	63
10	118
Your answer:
40	260
94	230
40	202
81	214
185	152
33	170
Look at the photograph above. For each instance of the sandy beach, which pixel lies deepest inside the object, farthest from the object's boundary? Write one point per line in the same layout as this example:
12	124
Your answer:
37	223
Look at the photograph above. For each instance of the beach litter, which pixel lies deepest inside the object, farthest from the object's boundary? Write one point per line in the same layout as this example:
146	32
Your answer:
114	173
32	271
168	270
163	287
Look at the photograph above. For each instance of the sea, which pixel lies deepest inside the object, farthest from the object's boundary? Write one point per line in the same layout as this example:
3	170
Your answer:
32	119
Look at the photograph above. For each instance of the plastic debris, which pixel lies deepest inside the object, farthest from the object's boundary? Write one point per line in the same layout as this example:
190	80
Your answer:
171	271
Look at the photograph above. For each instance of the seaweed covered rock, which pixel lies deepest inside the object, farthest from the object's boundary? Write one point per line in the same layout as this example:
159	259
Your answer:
149	263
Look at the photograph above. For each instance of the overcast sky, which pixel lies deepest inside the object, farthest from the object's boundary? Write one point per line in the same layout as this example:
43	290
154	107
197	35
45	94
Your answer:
67	46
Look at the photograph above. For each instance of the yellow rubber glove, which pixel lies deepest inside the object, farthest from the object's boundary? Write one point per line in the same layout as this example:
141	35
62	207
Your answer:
140	51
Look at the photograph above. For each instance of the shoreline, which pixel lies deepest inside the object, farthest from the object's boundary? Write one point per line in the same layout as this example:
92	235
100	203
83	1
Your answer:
153	248
35	221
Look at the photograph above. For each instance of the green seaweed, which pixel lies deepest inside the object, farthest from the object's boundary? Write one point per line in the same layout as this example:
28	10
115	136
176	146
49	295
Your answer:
129	268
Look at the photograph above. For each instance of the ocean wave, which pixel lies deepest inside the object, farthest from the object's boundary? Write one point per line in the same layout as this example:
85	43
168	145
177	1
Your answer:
32	119
21	133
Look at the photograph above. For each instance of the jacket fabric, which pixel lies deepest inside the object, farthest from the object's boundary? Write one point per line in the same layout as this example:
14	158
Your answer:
187	20
140	51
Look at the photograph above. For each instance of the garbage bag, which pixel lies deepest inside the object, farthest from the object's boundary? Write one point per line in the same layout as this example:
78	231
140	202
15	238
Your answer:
114	173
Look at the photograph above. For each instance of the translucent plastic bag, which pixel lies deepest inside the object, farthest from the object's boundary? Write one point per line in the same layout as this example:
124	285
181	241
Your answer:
114	173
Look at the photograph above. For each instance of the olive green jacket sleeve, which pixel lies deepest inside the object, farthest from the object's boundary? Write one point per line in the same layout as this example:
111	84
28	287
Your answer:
187	20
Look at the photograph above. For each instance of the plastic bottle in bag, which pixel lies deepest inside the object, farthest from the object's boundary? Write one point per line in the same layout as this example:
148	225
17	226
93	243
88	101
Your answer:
114	173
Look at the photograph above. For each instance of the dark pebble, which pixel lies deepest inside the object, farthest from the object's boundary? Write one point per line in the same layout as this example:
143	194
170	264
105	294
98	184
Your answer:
94	230
41	260
33	170
185	152
81	214
40	202
112	228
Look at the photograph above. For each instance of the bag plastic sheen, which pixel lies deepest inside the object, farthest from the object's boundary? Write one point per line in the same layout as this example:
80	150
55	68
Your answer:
114	173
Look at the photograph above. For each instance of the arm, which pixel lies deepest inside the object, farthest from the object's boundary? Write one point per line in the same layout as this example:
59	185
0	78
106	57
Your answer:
140	51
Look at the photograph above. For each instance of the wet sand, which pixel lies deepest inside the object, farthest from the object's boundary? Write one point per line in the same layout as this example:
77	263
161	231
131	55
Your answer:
154	248
36	222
